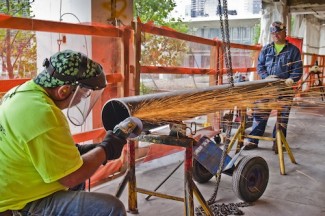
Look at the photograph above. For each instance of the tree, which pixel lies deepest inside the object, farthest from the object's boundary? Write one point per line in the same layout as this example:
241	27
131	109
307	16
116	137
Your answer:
17	48
159	12
159	50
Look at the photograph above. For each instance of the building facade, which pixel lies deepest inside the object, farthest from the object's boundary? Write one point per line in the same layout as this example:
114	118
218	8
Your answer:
204	21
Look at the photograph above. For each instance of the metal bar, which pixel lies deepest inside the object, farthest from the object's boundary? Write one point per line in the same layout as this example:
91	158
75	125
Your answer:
177	70
233	139
88	135
61	27
279	144
242	128
137	45
202	201
126	56
168	140
149	28
261	137
6	85
161	195
133	205
122	185
174	170
286	145
188	182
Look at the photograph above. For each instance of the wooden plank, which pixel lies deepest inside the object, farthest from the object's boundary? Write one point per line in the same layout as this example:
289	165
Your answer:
176	70
185	70
88	135
6	85
149	28
61	27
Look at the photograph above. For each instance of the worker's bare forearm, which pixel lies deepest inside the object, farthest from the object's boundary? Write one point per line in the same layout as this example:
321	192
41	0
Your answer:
91	161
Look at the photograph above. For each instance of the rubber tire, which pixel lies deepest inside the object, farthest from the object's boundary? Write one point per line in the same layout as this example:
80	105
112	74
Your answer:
199	173
256	170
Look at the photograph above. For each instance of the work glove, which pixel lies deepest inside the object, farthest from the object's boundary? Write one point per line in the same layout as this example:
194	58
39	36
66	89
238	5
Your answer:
289	82
112	145
83	149
271	77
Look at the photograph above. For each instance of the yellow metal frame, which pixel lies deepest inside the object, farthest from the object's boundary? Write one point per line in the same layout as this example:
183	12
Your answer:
280	141
190	187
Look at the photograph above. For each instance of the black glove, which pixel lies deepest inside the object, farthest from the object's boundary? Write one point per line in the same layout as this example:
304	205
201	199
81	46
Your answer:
83	149
112	145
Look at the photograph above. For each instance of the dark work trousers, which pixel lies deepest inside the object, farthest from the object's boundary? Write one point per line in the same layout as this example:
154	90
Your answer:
261	116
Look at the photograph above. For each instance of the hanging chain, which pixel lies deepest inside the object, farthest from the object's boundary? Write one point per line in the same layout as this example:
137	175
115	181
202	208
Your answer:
224	26
231	208
225	48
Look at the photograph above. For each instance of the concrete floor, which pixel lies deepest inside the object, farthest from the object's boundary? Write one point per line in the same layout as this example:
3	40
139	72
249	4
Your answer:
300	192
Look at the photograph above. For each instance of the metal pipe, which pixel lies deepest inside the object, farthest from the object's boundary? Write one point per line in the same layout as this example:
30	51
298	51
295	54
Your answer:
117	109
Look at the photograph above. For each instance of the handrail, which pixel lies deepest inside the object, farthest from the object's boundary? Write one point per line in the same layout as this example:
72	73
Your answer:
187	70
112	31
162	31
61	27
219	69
7	84
89	135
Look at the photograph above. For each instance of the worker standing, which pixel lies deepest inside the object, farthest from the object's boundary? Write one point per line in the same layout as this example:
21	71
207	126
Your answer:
39	159
279	59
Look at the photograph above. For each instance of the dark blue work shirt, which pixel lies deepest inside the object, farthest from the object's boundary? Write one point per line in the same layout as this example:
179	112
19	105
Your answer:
286	64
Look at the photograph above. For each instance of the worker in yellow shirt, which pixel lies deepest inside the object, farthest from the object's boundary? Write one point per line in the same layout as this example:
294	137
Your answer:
39	159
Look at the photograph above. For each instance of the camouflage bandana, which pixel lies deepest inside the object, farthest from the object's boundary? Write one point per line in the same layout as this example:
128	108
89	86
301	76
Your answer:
67	63
277	27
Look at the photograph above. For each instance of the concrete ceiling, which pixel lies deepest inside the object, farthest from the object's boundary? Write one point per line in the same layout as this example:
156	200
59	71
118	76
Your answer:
305	7
314	7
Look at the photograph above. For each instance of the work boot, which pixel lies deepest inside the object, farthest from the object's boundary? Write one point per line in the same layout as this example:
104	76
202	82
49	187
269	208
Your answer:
250	146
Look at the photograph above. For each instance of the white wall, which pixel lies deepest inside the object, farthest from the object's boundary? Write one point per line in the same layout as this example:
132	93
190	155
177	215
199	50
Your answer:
72	11
312	32
270	13
322	40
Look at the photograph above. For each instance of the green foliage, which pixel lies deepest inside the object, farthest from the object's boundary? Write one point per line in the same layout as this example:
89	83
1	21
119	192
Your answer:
257	32
159	50
17	48
292	22
163	51
145	90
18	8
158	12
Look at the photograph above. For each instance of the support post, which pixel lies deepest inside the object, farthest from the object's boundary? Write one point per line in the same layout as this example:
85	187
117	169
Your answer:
133	205
189	205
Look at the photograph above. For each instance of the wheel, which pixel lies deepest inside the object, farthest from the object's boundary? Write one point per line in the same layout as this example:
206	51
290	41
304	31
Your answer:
250	178
200	173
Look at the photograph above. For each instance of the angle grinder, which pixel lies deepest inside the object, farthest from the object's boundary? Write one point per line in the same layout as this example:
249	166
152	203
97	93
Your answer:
130	127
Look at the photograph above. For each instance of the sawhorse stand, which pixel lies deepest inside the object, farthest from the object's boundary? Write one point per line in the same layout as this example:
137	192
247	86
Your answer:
279	139
317	82
190	188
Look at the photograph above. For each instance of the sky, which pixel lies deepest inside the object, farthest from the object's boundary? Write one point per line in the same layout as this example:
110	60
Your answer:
238	5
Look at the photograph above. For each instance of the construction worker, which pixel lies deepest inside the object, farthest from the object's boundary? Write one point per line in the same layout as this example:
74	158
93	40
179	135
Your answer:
38	157
279	59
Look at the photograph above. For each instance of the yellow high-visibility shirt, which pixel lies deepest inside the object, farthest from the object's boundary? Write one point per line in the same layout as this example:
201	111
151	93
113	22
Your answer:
278	47
36	147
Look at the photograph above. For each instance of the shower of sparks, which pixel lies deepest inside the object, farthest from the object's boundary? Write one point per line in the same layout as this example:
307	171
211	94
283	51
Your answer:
188	105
